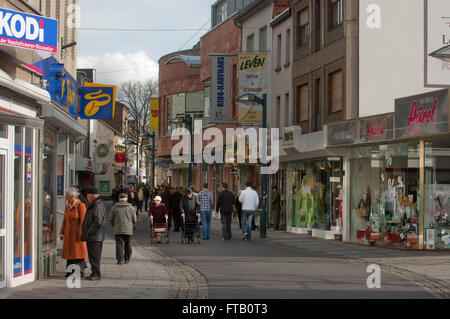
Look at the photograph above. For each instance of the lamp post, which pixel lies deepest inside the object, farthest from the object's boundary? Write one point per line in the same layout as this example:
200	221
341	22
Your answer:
250	98
188	122
152	135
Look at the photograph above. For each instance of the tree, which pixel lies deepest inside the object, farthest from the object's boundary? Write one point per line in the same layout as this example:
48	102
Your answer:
136	95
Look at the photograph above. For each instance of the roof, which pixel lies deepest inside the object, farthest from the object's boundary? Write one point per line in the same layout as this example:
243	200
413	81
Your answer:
196	48
281	17
252	9
192	61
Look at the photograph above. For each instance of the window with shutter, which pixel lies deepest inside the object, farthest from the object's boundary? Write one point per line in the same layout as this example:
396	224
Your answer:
335	92
303	29
302	112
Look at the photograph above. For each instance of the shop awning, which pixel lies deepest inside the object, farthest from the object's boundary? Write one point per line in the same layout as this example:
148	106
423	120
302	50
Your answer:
25	88
20	120
57	117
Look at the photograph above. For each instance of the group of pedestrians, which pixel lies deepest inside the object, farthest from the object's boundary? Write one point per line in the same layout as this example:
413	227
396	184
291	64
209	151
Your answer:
85	218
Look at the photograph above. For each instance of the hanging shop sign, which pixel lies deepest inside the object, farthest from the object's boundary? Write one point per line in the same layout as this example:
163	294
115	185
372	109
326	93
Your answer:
120	158
422	114
61	86
344	133
253	79
220	89
154	114
98	101
28	31
376	129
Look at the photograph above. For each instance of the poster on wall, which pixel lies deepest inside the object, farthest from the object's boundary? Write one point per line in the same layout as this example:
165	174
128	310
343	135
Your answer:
252	75
60	176
220	89
437	36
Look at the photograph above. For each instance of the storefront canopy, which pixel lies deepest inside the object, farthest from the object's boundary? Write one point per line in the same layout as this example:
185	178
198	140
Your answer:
20	120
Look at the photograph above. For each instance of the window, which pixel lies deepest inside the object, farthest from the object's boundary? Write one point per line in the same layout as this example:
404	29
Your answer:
303	27
288	47
287	110
250	43
221	13
278	52
318	27
168	114
263	39
335	92
336	13
302	113
277	114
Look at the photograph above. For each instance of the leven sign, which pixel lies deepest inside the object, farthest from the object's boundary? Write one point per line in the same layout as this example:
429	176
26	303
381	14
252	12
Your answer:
23	30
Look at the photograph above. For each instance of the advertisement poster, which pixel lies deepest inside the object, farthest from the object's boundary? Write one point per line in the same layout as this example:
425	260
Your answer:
220	89
252	75
437	32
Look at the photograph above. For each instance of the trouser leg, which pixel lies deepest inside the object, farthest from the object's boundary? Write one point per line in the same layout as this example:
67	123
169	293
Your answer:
120	242
95	256
223	220
128	249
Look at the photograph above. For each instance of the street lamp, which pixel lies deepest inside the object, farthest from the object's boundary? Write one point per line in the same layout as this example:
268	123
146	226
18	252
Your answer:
249	98
188	122
442	54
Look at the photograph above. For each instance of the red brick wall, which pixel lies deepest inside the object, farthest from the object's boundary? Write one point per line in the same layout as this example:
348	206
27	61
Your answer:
280	5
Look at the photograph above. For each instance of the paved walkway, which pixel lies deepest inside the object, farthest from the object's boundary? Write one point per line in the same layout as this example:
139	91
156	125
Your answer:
430	269
149	275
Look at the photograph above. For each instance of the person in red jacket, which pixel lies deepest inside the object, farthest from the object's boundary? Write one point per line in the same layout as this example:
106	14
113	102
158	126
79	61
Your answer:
158	213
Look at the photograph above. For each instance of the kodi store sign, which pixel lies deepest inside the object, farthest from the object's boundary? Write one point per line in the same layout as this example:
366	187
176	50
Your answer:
422	114
23	30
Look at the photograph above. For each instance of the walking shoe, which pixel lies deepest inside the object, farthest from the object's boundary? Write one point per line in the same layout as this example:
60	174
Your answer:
127	261
119	262
245	236
94	277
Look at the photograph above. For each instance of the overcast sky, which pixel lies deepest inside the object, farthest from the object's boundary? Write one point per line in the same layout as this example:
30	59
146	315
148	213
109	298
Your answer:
111	51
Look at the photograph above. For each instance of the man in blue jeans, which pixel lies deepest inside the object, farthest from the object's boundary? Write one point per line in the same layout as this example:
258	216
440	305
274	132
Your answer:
206	204
250	201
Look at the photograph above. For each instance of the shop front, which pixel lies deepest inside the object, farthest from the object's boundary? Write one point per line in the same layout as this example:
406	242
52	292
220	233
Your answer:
400	176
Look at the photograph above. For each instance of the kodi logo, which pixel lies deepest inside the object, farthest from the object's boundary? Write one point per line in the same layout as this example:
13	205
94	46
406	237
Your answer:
23	30
420	116
18	26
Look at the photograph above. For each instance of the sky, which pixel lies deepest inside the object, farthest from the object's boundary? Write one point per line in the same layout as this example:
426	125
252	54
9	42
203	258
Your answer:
112	52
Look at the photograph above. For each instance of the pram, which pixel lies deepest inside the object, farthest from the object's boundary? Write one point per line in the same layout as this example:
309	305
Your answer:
188	229
158	229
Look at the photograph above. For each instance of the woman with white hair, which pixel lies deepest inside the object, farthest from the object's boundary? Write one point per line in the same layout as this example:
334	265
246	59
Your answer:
74	250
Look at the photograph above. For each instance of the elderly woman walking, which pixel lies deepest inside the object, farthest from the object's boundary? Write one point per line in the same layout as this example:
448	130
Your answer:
123	217
74	250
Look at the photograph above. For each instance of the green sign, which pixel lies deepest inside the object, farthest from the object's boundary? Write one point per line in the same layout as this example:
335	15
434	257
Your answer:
104	187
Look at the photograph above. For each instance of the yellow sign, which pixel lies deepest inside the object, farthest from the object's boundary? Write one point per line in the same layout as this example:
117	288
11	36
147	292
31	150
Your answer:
154	114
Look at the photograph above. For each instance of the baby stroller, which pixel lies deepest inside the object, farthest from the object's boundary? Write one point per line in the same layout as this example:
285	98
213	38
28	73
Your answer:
158	229
188	229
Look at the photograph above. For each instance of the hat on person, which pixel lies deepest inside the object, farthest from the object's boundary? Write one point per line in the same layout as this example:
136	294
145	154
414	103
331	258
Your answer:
188	191
92	190
158	198
123	195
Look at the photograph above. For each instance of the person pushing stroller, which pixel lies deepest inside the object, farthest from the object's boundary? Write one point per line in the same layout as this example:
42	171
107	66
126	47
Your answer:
190	213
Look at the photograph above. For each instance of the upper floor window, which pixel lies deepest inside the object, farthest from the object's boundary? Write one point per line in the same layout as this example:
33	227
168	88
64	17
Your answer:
303	27
278	52
302	110
263	39
288	46
335	92
251	43
336	13
221	13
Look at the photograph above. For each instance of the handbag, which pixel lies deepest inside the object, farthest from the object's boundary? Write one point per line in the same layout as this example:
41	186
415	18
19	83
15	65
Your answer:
361	210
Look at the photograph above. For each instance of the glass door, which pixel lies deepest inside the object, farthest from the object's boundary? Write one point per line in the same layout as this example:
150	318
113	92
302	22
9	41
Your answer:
3	157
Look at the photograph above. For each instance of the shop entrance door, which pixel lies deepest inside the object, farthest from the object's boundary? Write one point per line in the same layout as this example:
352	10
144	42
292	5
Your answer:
3	157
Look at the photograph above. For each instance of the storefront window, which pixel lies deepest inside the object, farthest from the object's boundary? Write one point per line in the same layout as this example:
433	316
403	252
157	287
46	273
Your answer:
18	195
437	195
317	197
49	178
3	131
385	195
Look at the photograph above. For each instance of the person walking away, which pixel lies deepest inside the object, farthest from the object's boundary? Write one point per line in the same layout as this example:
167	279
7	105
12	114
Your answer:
140	201
239	210
93	231
74	250
122	218
190	209
225	206
146	197
158	213
206	205
250	201
175	208
82	197
133	200
275	205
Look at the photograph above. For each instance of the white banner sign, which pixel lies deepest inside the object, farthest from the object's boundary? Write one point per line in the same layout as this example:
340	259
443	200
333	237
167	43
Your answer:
220	89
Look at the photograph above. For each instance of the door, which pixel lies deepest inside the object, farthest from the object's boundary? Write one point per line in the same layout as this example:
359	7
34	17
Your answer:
3	158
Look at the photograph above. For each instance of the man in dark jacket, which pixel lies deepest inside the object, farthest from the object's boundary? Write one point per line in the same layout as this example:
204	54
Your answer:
146	197
225	205
175	208
190	210
93	231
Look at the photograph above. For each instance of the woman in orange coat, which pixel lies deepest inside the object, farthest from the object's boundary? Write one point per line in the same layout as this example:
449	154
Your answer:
74	250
